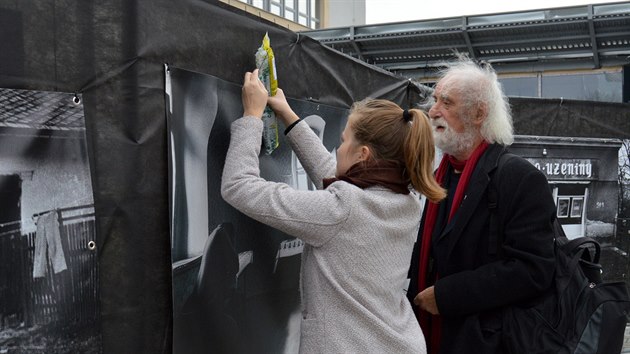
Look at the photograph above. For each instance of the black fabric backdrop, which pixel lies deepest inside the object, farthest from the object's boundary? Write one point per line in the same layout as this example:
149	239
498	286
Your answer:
113	52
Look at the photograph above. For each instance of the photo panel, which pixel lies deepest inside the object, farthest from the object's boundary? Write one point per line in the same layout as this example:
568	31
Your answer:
563	207
577	203
235	281
49	284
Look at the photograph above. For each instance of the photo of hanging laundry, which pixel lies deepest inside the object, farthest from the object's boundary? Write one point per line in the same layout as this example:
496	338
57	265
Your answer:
48	259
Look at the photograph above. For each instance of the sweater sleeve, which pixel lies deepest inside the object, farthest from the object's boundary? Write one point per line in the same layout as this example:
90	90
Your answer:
317	162
313	216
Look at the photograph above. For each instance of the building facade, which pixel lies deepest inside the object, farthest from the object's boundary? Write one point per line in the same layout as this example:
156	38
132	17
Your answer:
583	175
301	15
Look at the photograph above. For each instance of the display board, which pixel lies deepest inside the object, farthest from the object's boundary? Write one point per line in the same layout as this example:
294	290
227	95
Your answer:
49	282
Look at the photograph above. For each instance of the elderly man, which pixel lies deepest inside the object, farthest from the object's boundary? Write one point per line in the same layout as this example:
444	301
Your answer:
459	285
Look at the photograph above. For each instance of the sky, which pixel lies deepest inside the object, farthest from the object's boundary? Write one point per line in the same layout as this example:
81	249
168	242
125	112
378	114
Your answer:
382	11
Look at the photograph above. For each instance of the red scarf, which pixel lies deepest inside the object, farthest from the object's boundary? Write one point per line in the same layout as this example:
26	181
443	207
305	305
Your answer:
389	174
431	324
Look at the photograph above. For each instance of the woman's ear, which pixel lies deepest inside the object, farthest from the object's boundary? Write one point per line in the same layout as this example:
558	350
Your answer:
365	153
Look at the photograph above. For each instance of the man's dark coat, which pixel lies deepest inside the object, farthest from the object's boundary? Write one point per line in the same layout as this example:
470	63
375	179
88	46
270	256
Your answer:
473	284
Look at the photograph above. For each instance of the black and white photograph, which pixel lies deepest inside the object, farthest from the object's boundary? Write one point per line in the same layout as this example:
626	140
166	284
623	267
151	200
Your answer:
576	207
235	281
48	262
563	207
586	178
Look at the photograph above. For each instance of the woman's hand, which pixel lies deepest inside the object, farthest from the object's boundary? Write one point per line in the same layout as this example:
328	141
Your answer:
283	111
254	95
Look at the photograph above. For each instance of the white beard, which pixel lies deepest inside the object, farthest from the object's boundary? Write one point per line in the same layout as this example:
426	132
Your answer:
452	142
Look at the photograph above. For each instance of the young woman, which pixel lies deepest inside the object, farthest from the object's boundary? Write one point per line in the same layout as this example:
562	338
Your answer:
359	227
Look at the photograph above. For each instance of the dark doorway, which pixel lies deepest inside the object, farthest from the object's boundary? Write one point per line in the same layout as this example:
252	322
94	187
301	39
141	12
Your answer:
10	193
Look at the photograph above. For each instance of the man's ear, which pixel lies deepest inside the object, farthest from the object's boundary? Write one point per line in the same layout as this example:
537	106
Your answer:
480	114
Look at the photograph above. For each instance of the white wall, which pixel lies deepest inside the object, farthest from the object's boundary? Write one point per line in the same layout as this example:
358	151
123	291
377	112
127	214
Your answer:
343	13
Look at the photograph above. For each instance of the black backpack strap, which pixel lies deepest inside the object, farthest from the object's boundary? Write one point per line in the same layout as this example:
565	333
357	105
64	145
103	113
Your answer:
494	240
572	246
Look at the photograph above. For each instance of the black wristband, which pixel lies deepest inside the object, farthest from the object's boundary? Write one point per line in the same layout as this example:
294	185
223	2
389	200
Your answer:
288	129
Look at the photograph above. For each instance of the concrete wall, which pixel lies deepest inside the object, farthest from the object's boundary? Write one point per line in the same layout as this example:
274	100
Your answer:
340	13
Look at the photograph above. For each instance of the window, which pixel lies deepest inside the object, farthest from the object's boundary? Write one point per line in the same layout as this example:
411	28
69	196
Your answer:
563	207
577	204
304	12
274	9
520	86
570	207
598	86
289	14
602	87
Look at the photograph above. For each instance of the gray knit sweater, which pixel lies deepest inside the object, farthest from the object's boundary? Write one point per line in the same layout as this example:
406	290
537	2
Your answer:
358	245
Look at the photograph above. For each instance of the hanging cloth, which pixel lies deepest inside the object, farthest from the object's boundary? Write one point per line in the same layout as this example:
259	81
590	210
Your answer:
48	246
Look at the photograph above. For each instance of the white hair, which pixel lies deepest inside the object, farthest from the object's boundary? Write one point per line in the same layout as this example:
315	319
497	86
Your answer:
478	85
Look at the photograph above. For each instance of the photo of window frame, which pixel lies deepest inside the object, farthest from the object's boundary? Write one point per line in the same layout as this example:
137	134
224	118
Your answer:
566	202
579	203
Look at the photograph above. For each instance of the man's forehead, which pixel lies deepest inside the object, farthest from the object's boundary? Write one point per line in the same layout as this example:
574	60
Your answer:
444	88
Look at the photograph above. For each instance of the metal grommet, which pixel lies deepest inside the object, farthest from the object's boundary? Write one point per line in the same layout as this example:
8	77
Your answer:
91	245
76	100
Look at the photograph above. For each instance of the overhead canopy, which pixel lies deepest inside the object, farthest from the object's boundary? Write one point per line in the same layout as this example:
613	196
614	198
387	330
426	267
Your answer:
588	36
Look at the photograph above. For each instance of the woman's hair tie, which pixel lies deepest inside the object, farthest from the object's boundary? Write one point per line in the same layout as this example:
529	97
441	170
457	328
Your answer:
407	116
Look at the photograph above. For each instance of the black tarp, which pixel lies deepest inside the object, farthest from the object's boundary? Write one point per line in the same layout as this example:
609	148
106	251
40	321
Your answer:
113	53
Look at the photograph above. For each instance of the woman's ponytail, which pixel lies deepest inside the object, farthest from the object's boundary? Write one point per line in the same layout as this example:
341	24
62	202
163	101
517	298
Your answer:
419	152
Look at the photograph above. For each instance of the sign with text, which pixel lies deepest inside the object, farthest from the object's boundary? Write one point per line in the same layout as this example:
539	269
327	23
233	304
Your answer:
570	169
